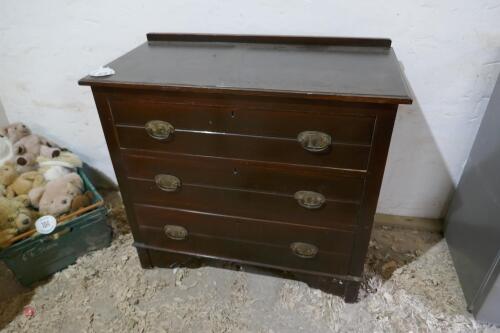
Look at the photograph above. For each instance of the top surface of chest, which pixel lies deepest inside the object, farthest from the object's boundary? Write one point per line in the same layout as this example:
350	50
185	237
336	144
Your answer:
364	69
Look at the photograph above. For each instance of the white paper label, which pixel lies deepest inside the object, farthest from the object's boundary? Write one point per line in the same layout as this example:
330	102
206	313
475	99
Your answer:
45	224
102	71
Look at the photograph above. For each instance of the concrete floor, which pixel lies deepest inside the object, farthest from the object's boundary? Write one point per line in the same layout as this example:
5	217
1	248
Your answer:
410	285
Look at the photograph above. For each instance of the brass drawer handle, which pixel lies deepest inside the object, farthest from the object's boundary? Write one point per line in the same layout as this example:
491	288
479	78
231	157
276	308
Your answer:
314	141
304	250
159	129
176	232
310	199
167	183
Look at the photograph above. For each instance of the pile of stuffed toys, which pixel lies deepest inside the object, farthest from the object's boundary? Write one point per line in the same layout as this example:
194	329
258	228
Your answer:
37	177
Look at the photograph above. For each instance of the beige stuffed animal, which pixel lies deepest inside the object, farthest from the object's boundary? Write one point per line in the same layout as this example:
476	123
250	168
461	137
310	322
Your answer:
25	183
14	132
56	167
28	148
15	218
56	196
8	175
6	150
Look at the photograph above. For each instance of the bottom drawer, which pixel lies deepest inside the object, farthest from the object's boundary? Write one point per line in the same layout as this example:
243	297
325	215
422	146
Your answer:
217	240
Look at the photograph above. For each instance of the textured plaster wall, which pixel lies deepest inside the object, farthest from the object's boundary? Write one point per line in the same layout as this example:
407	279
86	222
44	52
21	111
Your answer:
450	51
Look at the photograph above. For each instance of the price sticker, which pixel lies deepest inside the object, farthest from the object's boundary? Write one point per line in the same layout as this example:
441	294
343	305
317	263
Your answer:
46	224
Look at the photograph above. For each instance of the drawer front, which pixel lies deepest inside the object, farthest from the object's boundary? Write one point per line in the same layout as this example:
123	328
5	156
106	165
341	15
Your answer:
342	124
287	151
240	229
253	205
237	174
248	253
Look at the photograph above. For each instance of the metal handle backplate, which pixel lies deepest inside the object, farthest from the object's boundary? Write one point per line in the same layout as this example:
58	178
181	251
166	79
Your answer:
310	199
167	183
314	141
176	232
304	250
159	129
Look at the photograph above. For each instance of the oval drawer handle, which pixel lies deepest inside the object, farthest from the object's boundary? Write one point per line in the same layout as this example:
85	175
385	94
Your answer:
176	232
304	250
159	129
310	199
314	141
167	183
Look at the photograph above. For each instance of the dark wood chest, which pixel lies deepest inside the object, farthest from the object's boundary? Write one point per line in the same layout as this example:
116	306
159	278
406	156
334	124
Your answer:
258	150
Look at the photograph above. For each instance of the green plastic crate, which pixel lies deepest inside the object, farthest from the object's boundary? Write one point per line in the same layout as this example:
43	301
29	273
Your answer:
38	257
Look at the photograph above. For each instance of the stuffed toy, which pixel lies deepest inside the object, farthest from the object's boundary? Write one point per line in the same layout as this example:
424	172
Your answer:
24	183
55	197
80	201
55	167
28	148
6	150
14	132
15	218
8	175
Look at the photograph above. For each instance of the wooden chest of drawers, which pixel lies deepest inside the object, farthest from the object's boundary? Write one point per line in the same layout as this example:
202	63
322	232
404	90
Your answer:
258	150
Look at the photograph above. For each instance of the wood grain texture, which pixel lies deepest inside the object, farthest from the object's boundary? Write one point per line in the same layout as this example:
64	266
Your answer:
333	71
343	125
242	229
282	209
237	104
269	39
246	175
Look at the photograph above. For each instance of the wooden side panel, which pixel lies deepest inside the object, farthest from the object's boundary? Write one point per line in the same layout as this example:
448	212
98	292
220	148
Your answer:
378	157
106	119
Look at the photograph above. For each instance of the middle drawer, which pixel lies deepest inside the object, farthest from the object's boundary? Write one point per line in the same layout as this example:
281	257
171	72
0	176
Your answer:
246	175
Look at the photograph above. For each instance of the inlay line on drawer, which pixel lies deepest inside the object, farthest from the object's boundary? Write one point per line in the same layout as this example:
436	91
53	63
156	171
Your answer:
339	156
244	203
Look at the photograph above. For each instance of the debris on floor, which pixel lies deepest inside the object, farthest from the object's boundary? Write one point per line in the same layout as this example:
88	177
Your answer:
108	291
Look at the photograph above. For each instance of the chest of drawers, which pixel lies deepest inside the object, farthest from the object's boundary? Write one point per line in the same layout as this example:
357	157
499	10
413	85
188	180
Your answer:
258	150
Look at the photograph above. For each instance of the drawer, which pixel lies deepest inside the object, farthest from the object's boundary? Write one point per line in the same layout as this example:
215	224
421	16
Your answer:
246	175
285	151
259	254
344	125
249	204
241	229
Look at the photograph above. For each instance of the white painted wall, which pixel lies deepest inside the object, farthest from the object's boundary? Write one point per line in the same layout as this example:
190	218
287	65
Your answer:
449	48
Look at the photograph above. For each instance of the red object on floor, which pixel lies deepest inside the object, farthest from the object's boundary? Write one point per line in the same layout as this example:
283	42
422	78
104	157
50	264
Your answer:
29	311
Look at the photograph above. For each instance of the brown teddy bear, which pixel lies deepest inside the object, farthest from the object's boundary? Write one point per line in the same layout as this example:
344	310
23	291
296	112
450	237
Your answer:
15	218
8	175
14	132
55	197
28	148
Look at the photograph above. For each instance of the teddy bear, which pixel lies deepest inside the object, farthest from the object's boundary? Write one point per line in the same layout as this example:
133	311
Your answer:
6	150
28	148
8	175
56	196
14	132
15	218
24	183
56	167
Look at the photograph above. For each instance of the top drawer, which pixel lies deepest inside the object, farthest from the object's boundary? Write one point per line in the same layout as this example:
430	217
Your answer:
344	125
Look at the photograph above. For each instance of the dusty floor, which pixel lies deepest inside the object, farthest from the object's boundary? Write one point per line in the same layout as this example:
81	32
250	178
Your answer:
108	291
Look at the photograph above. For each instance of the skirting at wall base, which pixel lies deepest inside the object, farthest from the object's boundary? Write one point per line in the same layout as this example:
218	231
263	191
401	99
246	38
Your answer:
418	223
